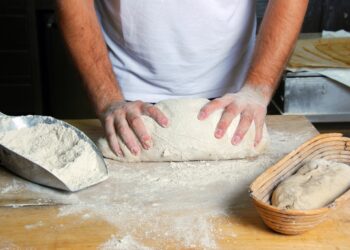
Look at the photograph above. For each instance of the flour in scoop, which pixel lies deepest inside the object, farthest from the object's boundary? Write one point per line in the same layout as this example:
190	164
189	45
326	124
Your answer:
59	150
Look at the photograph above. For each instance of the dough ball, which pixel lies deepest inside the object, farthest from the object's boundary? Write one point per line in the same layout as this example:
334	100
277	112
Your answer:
318	183
186	138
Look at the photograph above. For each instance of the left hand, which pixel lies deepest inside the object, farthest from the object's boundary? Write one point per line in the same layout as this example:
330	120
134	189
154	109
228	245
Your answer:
250	102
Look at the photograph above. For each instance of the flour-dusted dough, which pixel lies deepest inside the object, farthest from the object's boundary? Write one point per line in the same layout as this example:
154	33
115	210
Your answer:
316	184
187	138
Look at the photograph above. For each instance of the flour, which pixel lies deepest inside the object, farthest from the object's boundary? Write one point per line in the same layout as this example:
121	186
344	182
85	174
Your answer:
35	225
187	138
126	243
6	244
165	205
59	150
177	201
14	186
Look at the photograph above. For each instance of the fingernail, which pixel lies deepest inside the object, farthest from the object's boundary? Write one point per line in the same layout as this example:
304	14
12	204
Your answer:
218	133
135	150
236	139
148	144
201	115
256	143
164	123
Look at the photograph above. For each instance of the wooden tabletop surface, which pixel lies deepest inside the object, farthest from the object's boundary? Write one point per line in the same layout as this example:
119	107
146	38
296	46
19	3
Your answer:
35	217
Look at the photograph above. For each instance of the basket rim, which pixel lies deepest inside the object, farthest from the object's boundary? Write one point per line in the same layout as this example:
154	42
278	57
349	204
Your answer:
293	211
260	203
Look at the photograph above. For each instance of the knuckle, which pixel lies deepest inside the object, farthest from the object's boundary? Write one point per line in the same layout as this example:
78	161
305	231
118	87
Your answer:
243	128
115	144
123	130
259	123
223	124
116	113
110	136
108	119
147	108
204	110
230	109
120	128
207	108
247	116
138	103
229	96
135	121
155	112
239	132
216	102
151	110
259	120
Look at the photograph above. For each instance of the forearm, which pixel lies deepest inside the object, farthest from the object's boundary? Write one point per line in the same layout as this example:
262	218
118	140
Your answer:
278	34
83	36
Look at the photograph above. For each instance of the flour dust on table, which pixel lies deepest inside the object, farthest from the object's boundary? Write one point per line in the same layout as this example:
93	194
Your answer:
165	205
187	138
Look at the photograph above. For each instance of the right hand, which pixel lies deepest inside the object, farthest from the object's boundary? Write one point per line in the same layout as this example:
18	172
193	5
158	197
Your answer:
123	120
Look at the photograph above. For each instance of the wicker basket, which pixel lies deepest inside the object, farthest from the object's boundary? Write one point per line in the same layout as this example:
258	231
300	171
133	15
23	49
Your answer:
327	146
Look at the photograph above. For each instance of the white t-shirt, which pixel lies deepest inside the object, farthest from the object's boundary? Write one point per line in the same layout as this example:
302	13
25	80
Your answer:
163	49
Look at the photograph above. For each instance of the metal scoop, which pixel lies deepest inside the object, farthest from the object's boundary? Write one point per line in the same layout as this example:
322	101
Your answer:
30	170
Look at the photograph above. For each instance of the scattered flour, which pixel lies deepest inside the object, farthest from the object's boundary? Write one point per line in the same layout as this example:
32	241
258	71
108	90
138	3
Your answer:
170	200
126	243
9	245
86	216
173	203
58	149
14	186
35	225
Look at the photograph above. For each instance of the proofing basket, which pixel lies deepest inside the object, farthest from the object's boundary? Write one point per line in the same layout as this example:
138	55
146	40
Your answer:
333	147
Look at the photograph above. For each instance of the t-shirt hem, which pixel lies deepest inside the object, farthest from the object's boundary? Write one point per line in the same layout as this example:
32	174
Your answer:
153	98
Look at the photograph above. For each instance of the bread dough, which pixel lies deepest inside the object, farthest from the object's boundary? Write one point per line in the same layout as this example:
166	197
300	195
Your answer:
316	184
186	138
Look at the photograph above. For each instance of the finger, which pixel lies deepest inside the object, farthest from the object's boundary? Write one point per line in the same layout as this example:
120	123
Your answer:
127	135
112	137
243	126
137	125
259	127
210	107
157	115
228	115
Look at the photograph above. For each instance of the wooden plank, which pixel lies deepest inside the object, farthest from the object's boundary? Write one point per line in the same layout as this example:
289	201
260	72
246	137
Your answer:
40	228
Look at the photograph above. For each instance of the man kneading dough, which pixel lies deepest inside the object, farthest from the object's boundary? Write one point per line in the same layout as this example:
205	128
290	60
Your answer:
132	53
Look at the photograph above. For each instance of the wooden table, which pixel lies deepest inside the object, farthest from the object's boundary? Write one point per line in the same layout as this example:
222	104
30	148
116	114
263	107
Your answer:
34	218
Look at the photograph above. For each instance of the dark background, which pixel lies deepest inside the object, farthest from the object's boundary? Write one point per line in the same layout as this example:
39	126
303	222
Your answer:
38	77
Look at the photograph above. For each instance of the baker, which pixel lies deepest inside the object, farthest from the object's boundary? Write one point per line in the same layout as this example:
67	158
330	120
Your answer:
132	53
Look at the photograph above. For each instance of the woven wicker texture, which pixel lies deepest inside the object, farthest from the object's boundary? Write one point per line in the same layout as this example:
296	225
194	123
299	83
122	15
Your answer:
326	146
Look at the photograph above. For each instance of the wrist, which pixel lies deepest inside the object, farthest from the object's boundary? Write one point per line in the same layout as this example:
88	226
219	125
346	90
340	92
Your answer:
259	91
104	104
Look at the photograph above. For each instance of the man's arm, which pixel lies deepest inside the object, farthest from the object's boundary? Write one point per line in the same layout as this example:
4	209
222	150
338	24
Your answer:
278	34
83	36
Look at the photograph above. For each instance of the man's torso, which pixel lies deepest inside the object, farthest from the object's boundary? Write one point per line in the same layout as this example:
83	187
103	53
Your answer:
188	48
